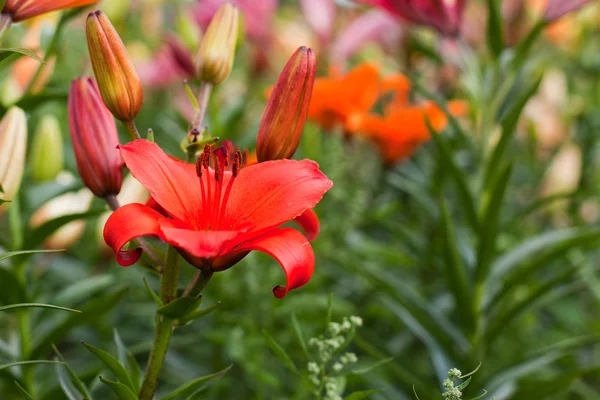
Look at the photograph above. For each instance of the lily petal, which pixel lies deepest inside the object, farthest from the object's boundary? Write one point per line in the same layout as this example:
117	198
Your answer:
309	222
201	244
171	182
129	222
271	193
291	250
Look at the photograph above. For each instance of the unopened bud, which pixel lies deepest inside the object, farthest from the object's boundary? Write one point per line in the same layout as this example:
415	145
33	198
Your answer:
555	9
13	143
21	10
68	203
181	56
283	121
95	139
217	50
117	78
46	158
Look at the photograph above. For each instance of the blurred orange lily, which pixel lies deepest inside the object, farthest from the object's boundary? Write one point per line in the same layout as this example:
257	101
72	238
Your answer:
20	10
347	101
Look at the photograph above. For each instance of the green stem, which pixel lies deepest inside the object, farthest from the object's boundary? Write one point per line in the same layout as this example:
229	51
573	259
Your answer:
164	325
132	129
5	23
197	284
14	221
24	321
203	98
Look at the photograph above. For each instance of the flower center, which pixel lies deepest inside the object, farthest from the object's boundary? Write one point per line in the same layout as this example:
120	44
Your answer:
214	200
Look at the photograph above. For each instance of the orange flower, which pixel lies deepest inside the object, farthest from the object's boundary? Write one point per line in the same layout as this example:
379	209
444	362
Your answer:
403	128
337	99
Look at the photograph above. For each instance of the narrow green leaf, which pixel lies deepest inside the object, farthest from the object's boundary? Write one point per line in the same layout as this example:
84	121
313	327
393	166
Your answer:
5	53
462	187
2	201
122	391
360	371
74	378
84	289
180	307
91	311
18	253
415	392
23	392
153	294
112	364
34	362
300	335
197	314
127	359
464	384
456	274
280	352
196	384
495	40
67	386
11	290
490	224
471	373
363	394
481	396
38	305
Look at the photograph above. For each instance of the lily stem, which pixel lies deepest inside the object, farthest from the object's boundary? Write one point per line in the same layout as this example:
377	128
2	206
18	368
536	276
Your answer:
132	129
5	23
203	97
24	320
164	325
197	284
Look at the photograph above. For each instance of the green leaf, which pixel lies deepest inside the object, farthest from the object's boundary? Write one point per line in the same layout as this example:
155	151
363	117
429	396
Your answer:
153	294
363	394
180	307
280	352
197	314
35	362
127	359
18	253
11	290
490	224
74	378
112	364
2	201
91	311
84	289
300	335
464	384
67	386
456	273
495	40
360	371
38	305
196	385
39	234
122	391
5	53
459	177
23	392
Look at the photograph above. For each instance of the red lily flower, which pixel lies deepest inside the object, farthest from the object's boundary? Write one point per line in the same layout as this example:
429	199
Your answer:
217	216
25	9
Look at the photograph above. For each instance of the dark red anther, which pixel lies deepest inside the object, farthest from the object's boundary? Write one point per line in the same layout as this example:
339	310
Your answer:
199	166
206	156
237	164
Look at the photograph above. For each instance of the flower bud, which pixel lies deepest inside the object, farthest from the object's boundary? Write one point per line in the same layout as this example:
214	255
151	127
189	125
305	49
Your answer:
95	139
13	144
68	203
46	158
117	78
217	50
283	121
20	10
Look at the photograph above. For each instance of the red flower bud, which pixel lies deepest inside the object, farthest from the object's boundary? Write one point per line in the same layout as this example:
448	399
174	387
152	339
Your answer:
95	139
282	123
118	80
555	9
20	10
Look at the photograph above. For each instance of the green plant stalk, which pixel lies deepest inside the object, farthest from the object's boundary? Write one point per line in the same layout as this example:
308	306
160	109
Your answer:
24	321
164	325
203	97
132	129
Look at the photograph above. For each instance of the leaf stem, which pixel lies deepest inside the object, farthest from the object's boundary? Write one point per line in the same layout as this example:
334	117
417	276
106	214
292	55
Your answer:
203	97
195	287
164	325
132	129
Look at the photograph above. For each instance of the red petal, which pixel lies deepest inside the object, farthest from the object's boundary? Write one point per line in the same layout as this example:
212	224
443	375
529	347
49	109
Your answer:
172	183
270	193
201	244
126	223
291	250
309	222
